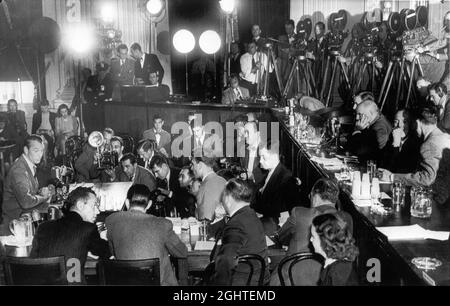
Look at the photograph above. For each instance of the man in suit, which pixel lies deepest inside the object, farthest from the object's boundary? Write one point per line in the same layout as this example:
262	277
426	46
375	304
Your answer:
318	47
235	93
432	170
251	160
280	191
122	68
145	62
135	235
16	118
283	49
44	123
185	195
253	63
75	234
243	234
135	173
208	142
438	94
256	37
85	165
235	57
371	133
21	188
209	204
163	138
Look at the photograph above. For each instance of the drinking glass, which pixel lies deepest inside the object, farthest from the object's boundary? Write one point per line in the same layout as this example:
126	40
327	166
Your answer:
421	207
398	193
371	169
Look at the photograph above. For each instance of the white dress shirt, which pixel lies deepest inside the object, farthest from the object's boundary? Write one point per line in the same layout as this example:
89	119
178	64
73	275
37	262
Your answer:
246	66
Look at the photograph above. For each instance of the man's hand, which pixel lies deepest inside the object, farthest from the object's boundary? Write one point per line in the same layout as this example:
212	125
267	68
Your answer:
397	135
362	124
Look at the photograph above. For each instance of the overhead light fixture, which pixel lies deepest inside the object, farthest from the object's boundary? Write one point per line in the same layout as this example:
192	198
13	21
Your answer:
210	42
80	39
227	6
107	13
155	7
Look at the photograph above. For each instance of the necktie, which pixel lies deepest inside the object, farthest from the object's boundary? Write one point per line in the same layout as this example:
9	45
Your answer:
142	62
166	184
238	94
253	62
121	62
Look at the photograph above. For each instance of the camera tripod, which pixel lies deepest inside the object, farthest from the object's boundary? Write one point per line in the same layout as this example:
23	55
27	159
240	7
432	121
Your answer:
399	67
333	60
305	74
262	93
365	65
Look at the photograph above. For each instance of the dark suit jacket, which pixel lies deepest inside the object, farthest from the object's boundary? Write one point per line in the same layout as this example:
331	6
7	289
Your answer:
339	273
280	194
18	121
243	234
164	142
19	193
123	75
229	96
151	63
370	143
84	166
259	175
404	159
135	235
37	120
71	237
145	177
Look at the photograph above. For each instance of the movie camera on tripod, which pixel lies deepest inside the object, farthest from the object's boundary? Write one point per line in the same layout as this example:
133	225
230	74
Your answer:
336	36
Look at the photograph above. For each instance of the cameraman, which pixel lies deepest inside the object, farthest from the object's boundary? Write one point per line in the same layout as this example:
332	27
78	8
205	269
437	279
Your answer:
116	173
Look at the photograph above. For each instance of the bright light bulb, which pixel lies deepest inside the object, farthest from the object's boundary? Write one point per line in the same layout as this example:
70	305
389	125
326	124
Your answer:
227	6
107	13
184	41
209	42
80	39
154	7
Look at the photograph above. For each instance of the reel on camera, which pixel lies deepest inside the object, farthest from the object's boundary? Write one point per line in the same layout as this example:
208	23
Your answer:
304	28
337	21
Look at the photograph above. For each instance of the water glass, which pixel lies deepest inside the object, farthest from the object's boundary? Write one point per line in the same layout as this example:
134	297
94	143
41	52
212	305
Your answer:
371	169
421	207
398	194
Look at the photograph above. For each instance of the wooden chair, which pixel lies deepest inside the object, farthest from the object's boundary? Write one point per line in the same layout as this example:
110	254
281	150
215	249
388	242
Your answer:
35	271
129	272
292	260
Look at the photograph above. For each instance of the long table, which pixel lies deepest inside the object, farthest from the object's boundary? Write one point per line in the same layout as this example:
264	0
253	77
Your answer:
394	257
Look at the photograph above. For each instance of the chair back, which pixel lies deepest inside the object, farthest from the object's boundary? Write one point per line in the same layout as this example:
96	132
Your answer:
129	145
292	260
250	260
129	272
35	271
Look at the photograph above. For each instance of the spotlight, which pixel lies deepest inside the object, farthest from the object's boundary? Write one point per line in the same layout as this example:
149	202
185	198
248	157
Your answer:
184	41
80	39
227	6
107	13
111	34
154	7
209	42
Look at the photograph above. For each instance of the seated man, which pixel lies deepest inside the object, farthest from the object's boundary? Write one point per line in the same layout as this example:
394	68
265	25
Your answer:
157	92
75	234
44	124
131	171
309	103
16	120
147	149
208	142
371	132
86	165
235	93
185	195
243	234
209	206
21	192
134	235
433	170
361	97
438	94
162	138
280	191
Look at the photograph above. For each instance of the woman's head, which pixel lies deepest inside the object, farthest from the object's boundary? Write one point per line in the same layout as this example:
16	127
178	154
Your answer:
332	238
63	110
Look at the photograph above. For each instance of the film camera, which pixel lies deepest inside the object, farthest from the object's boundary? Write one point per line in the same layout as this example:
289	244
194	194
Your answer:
106	159
337	35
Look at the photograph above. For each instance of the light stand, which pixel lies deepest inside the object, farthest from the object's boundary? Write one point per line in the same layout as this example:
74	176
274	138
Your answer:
184	42
186	75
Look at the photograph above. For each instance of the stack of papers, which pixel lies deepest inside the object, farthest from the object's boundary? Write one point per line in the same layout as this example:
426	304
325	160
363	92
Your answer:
411	232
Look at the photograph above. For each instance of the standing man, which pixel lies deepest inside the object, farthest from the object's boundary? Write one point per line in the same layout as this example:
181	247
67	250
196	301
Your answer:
122	68
235	57
439	96
256	37
283	50
21	190
145	62
252	65
163	138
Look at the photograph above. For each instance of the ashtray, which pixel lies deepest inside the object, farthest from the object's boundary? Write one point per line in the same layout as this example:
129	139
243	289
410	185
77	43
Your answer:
426	263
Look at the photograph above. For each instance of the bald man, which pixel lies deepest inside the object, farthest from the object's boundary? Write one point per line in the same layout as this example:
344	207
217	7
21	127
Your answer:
371	133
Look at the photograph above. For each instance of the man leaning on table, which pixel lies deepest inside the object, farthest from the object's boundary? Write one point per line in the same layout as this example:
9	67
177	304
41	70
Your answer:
21	190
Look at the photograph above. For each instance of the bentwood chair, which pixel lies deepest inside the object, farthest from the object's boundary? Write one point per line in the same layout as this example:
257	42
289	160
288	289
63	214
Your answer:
129	272
35	271
297	260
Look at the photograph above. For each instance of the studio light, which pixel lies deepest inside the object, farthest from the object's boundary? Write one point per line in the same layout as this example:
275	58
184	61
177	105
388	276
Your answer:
107	13
227	6
184	41
154	7
80	39
209	42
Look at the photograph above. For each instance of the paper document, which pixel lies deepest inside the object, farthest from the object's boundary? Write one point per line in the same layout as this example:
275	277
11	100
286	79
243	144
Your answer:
204	245
412	232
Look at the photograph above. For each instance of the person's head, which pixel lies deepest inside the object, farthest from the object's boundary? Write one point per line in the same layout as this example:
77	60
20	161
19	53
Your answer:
138	197
252	48
427	118
256	31
403	120
83	201
160	166
234	81
122	51
44	106
324	192
234	48
146	149
3	121
289	27
319	29
197	128
34	148
158	123
367	109
136	51
63	110
332	238
236	194
251	117
117	145
108	133
12	105
129	164
251	134
437	92
202	163
422	86
269	155
186	177
239	123
361	97
153	77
